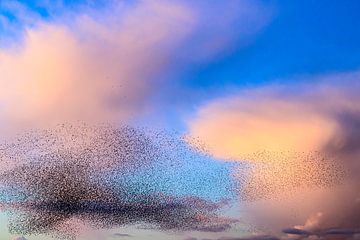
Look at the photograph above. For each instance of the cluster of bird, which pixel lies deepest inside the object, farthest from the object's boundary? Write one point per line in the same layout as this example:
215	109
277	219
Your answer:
84	173
51	180
273	174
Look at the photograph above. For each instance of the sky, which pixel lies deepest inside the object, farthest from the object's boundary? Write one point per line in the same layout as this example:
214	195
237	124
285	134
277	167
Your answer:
250	105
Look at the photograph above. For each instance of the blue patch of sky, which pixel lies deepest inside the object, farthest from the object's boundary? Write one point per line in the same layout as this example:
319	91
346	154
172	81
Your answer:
16	16
305	37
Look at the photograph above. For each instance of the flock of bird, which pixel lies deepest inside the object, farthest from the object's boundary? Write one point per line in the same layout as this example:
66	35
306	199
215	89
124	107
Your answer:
84	173
53	181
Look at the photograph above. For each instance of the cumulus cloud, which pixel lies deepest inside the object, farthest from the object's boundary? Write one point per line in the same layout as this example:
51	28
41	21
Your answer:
97	72
267	119
301	117
102	65
299	141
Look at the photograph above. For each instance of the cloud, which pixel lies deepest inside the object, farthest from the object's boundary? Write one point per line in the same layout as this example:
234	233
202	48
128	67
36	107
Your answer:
19	238
255	237
340	231
322	233
103	65
216	227
296	143
251	121
282	131
313	222
295	231
122	235
91	72
301	117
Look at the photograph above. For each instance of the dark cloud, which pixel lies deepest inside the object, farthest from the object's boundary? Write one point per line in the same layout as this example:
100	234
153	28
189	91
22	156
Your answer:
324	234
86	173
259	237
215	228
295	231
341	231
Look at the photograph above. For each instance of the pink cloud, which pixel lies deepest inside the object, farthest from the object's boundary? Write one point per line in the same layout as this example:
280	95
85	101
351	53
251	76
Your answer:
301	145
102	65
278	118
90	72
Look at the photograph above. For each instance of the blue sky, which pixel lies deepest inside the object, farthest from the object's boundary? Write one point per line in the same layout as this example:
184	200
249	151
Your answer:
303	38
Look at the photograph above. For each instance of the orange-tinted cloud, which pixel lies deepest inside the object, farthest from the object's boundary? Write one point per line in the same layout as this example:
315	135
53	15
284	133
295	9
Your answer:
279	133
288	118
102	65
238	126
90	71
298	141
